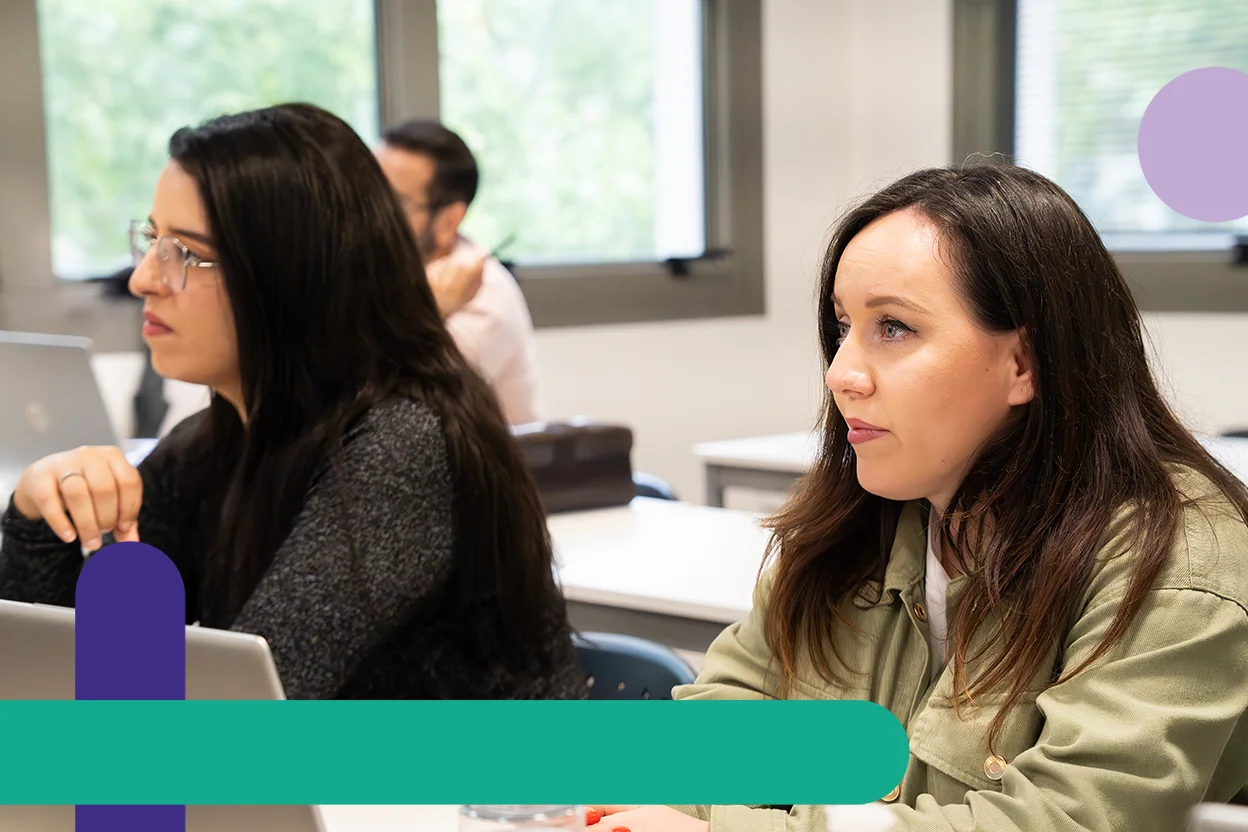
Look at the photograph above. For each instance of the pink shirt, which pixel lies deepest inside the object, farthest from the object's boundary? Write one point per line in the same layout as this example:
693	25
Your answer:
495	333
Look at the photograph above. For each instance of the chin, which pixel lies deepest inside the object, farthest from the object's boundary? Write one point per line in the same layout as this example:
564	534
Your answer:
160	362
883	482
170	367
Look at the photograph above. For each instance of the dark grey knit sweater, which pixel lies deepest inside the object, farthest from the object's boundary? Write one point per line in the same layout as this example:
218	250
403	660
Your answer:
369	628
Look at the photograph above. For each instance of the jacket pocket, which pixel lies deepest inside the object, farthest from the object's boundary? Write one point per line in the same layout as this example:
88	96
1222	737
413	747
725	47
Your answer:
808	686
954	746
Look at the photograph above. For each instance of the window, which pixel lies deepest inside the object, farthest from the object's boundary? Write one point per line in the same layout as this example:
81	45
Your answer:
620	143
1085	72
586	118
1061	85
119	76
620	140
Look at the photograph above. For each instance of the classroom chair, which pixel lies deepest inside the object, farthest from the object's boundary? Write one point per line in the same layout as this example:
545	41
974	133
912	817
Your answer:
648	485
626	667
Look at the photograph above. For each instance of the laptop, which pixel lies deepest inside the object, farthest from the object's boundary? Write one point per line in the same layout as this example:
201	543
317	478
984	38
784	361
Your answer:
51	403
37	662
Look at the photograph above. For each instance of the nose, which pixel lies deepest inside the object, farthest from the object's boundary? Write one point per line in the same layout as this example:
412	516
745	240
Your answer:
848	375
145	280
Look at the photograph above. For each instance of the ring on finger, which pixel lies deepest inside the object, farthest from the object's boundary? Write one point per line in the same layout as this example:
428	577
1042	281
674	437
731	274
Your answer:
69	474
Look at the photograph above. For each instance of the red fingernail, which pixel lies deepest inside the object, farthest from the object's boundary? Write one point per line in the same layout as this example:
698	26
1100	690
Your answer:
592	816
621	829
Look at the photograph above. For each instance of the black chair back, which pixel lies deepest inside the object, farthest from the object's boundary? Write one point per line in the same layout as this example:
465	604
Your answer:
626	667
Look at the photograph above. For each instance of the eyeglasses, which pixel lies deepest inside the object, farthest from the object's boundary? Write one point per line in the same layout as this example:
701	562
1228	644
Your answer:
174	259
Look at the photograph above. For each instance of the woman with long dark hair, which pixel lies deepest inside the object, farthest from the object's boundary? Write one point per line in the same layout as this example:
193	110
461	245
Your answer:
1008	539
352	493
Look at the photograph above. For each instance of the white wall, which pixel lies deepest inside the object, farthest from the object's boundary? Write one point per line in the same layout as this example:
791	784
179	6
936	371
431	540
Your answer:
856	92
1202	364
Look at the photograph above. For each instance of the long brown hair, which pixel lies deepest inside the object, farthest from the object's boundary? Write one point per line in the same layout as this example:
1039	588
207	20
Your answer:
1038	504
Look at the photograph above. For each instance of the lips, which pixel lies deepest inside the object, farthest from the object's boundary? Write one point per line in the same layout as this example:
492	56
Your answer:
860	431
153	325
858	424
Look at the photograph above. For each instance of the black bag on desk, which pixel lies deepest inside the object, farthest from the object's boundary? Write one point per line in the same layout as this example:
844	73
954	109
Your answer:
579	464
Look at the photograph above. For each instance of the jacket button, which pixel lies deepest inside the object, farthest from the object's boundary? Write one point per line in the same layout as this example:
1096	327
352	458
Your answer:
919	612
994	767
894	794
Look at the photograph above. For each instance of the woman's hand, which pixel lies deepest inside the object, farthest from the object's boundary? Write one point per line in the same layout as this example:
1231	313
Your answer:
644	819
83	494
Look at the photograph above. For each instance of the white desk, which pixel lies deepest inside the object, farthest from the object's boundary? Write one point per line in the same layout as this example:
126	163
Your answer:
1217	817
390	818
661	556
773	463
673	572
768	463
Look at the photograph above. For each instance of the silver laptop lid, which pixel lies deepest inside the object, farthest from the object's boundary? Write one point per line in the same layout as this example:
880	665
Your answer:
37	658
51	398
37	662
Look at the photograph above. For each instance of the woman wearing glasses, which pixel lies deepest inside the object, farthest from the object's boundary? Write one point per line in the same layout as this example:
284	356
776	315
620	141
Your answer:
352	493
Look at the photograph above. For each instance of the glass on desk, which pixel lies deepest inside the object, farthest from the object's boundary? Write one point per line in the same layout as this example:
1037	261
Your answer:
475	818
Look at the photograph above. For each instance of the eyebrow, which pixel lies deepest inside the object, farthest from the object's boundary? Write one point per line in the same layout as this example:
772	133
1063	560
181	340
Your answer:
182	232
888	300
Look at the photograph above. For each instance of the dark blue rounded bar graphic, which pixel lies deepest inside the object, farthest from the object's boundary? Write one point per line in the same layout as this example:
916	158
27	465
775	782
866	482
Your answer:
130	643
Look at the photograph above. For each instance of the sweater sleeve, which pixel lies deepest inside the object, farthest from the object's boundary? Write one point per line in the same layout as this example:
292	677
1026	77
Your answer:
343	579
37	566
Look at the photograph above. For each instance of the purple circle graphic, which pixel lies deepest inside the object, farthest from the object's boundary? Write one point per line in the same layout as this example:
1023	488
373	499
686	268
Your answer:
1192	144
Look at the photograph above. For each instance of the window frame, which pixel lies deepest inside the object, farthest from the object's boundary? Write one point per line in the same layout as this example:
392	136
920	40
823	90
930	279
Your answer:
609	293
32	298
984	33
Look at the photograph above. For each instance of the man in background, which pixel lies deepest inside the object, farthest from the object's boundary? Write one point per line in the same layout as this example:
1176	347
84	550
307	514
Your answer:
436	177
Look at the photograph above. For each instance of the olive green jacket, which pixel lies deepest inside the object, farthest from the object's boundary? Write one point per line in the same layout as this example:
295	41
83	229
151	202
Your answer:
1132	743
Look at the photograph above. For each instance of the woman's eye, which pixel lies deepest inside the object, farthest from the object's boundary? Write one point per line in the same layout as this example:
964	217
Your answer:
893	330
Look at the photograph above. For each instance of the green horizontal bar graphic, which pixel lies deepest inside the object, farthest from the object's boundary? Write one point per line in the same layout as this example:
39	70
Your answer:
423	752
